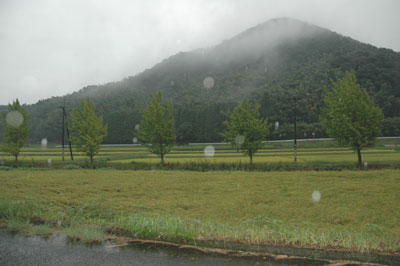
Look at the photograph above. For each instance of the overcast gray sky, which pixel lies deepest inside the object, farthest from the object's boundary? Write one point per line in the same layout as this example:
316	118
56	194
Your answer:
54	47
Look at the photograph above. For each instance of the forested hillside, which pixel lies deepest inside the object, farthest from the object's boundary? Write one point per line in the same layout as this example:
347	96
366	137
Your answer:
272	64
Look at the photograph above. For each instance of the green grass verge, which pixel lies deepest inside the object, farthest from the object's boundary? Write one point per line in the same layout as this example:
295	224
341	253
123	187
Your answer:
85	233
387	151
19	224
358	210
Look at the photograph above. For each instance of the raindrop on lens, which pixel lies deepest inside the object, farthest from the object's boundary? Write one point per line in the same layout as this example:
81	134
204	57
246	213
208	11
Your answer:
365	165
209	151
134	140
316	196
43	143
49	162
14	119
276	125
137	127
208	83
239	140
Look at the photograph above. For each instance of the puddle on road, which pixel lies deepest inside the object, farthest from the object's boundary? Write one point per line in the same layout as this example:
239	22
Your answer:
16	249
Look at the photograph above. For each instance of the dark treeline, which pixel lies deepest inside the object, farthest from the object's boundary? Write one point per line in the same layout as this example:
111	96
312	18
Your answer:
260	64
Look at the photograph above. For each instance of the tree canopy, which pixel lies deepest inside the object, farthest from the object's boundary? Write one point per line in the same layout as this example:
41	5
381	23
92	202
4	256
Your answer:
157	127
87	129
16	131
350	115
245	130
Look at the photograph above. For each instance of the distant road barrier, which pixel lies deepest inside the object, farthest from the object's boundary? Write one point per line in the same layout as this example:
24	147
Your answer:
282	140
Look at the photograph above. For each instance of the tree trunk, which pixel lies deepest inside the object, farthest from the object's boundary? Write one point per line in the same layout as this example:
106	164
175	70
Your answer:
16	157
91	159
162	158
359	157
251	158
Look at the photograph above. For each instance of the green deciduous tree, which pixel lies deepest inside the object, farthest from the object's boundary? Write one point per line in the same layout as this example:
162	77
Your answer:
245	130
87	129
157	128
350	115
16	131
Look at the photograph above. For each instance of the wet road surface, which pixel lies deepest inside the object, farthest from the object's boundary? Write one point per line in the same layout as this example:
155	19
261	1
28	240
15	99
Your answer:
16	249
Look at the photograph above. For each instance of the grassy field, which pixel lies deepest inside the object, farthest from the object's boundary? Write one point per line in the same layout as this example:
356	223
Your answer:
313	152
358	209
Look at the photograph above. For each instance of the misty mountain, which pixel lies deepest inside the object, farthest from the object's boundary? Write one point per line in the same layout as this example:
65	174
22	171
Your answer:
272	64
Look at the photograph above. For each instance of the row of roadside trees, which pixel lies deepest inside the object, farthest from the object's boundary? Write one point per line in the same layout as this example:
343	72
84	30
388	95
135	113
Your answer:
349	115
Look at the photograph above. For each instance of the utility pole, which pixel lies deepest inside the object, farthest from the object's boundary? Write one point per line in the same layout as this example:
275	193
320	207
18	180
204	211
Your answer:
69	142
295	131
62	133
65	126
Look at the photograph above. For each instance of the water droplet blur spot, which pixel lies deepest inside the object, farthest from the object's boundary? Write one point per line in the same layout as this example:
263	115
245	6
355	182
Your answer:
316	196
14	119
365	165
276	125
208	83
49	162
134	140
209	151
178	42
239	140
43	143
172	82
59	222
137	127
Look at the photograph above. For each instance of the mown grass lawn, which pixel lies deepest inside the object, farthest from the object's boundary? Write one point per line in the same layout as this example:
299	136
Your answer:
358	209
